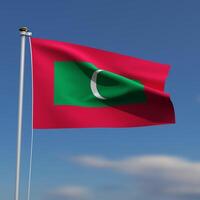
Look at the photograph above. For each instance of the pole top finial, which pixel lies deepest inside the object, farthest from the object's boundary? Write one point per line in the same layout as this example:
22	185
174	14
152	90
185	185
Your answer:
24	29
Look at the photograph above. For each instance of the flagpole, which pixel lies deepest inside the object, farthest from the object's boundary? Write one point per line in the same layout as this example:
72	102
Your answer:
24	32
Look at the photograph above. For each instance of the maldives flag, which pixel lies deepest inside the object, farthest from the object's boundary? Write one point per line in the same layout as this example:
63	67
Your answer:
76	86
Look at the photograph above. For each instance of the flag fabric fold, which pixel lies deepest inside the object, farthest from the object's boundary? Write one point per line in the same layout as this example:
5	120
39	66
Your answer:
76	86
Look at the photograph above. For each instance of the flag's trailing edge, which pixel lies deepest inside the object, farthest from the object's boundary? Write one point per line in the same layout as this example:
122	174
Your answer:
76	86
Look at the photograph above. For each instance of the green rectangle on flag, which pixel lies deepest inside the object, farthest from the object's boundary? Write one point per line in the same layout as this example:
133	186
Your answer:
83	84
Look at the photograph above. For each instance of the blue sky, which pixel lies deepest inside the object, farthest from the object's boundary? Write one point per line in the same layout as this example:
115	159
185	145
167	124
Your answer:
82	164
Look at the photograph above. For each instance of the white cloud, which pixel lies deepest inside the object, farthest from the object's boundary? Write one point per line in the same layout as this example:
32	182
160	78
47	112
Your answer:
71	192
93	161
156	175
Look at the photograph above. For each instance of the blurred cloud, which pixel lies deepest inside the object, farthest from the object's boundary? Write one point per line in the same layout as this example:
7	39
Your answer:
158	177
70	192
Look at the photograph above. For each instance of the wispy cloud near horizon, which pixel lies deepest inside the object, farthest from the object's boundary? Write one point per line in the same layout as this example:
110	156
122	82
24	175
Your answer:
157	175
70	192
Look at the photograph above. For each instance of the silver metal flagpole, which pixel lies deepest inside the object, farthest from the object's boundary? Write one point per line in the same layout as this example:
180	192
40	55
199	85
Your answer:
23	33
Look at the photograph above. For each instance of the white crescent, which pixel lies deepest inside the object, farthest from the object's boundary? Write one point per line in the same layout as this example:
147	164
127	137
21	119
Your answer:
93	85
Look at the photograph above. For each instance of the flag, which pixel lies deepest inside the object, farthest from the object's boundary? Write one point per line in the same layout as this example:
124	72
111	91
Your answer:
76	86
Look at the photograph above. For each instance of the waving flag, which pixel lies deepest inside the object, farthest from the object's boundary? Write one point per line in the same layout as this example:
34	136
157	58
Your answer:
76	86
